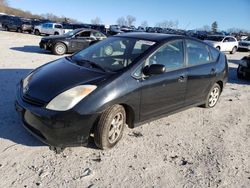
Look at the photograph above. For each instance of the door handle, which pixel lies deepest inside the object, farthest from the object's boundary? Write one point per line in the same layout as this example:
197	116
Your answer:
182	78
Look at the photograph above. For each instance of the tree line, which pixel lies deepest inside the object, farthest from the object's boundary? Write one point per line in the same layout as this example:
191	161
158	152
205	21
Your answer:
128	20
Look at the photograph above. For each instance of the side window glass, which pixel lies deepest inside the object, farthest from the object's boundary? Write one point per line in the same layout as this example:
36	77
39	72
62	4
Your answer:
197	53
58	26
226	39
214	53
231	39
97	34
171	55
84	34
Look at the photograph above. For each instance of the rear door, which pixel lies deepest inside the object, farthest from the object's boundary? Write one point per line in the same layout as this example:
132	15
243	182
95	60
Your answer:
200	71
164	93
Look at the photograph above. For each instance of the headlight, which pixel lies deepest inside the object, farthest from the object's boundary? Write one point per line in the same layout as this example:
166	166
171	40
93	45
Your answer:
26	82
70	98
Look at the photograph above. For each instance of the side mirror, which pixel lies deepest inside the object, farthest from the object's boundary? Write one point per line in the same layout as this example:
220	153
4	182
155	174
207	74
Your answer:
154	69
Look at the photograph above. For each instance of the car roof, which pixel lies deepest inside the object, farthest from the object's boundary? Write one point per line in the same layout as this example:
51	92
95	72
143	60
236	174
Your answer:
156	37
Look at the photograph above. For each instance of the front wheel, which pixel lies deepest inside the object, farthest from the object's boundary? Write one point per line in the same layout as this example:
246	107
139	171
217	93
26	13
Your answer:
37	32
233	50
110	127
59	49
19	30
213	96
218	48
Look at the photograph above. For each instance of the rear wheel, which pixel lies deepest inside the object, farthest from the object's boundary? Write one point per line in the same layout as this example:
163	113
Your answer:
6	28
19	30
37	32
213	96
218	48
110	127
233	50
56	33
59	49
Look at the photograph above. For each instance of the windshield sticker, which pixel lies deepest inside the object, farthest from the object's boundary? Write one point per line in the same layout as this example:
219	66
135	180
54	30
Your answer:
146	42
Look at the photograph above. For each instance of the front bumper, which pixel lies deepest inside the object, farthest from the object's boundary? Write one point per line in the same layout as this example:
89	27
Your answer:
59	129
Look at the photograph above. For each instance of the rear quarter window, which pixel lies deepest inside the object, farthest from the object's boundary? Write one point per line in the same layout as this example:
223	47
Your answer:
214	53
197	53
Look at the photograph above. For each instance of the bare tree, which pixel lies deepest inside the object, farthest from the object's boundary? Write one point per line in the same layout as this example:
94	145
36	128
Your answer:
97	20
144	24
121	21
130	20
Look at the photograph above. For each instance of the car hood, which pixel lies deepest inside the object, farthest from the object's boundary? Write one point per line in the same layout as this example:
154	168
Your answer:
56	77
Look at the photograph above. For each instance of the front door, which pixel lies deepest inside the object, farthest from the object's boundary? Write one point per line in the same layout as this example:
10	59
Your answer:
81	40
164	93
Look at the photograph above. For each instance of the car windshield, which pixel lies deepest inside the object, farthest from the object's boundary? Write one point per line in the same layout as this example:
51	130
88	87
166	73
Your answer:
215	38
247	39
114	53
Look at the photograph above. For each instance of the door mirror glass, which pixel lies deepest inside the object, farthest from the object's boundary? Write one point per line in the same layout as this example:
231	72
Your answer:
154	69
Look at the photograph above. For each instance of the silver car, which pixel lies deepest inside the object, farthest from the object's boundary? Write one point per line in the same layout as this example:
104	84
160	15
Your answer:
245	44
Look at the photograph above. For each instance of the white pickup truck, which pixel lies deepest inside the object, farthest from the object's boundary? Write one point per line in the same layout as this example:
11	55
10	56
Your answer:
49	29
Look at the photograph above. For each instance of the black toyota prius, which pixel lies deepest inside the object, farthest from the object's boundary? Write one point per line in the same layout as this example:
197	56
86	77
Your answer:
127	79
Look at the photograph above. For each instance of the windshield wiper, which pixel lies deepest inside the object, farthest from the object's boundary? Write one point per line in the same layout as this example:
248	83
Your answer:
93	64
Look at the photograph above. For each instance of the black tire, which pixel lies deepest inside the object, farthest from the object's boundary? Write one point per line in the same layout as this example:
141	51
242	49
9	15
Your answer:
233	50
56	33
105	127
19	30
209	103
6	28
239	74
37	32
59	49
218	48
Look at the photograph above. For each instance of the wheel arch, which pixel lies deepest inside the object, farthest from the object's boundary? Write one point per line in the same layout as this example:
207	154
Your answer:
130	115
221	84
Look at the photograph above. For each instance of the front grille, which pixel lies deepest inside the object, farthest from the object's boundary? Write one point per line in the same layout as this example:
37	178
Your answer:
32	101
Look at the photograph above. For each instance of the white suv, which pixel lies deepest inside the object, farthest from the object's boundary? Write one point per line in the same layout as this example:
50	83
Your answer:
49	29
223	43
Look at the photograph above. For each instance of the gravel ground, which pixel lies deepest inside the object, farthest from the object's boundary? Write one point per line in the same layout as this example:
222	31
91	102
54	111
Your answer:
194	148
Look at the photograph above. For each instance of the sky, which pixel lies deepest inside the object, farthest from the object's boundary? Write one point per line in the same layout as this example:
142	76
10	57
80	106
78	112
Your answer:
190	14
